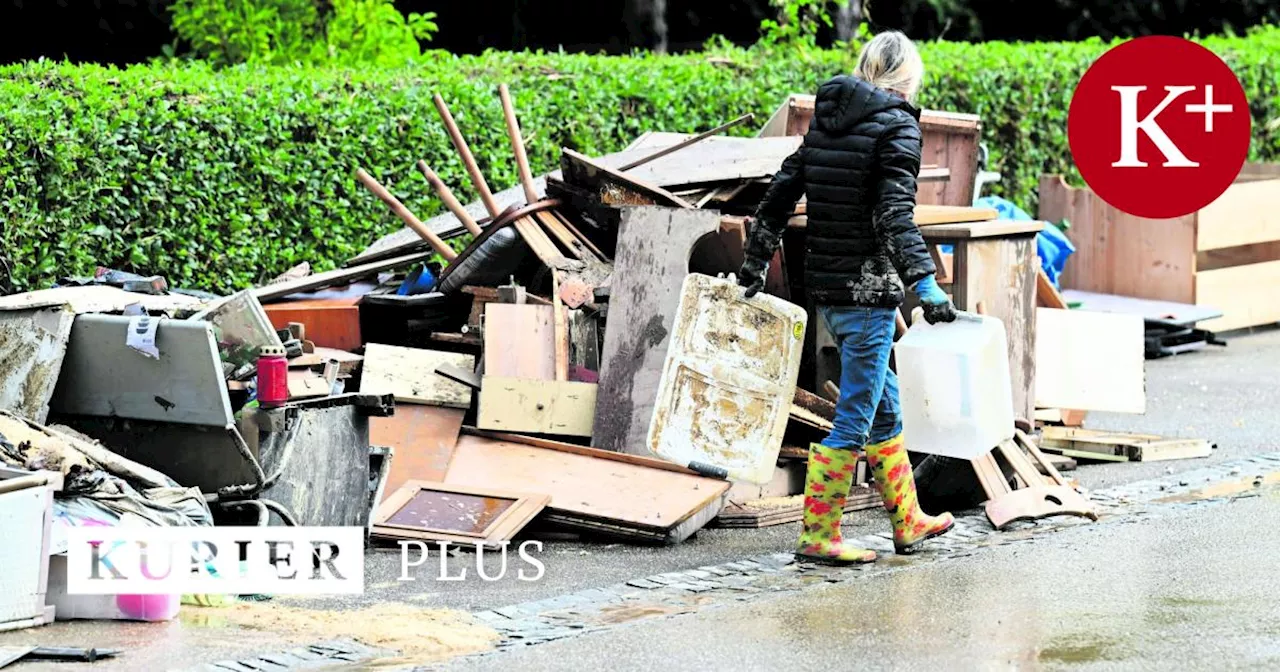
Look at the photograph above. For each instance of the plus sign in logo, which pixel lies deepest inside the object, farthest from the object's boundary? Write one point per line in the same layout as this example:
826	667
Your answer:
1159	127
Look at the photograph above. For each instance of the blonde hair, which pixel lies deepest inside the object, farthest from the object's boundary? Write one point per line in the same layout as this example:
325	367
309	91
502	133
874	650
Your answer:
890	61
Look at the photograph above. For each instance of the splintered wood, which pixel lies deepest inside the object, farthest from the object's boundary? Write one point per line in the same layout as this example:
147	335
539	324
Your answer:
410	375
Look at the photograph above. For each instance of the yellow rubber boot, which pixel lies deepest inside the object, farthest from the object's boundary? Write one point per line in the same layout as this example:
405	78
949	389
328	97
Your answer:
892	471
827	483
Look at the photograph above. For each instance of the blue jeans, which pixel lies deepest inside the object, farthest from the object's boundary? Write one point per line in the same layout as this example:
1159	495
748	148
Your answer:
868	410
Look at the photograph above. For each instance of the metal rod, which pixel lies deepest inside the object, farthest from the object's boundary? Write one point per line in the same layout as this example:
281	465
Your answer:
695	139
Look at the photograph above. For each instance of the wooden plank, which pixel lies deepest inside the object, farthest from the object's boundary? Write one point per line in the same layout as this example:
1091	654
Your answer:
519	341
1245	214
654	247
1018	460
585	483
575	449
990	477
814	404
1169	449
538	241
338	276
307	384
1000	273
567	240
102	376
409	374
422	438
562	408
1133	447
1117	253
560	330
582	172
1090	361
33	345
1047	295
1244	294
1084	455
930	215
990	229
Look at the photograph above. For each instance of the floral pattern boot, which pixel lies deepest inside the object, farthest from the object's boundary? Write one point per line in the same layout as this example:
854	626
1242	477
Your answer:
892	471
827	483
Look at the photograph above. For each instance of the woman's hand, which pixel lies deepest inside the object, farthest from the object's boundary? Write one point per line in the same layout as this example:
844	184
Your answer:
937	307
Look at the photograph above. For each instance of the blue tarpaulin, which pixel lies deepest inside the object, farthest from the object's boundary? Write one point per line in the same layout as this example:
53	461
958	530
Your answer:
1052	246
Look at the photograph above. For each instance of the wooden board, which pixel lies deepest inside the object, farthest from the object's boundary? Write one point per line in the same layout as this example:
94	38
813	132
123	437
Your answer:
563	408
928	215
589	486
491	529
33	344
410	375
991	229
102	376
1090	361
1117	253
422	438
1246	295
782	510
654	246
331	323
1130	447
613	187
96	299
519	341
336	277
1247	213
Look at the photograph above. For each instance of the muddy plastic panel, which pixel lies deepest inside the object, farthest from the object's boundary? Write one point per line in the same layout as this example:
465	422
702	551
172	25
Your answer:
102	376
728	381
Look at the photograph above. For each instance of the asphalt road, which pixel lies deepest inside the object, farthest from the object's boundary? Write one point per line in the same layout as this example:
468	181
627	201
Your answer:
1187	590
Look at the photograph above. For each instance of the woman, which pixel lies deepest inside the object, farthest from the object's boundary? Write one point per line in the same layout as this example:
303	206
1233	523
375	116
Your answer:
857	169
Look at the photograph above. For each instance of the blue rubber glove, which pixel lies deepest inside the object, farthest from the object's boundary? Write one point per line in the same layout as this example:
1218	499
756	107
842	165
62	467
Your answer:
937	307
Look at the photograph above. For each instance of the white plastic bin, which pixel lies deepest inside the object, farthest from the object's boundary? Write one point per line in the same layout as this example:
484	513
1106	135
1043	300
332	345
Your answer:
953	380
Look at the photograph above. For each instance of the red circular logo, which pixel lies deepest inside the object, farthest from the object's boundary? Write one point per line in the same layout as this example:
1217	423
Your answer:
1159	127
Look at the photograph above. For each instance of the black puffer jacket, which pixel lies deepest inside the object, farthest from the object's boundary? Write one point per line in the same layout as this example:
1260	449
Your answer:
857	169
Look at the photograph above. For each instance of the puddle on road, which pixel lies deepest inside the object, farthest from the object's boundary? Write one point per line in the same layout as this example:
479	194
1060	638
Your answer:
1076	649
1225	489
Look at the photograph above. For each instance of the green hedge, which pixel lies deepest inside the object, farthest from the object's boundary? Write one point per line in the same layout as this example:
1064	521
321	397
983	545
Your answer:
220	179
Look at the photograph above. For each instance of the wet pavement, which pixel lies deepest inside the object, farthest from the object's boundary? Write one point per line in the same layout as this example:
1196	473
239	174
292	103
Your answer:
1114	596
1183	588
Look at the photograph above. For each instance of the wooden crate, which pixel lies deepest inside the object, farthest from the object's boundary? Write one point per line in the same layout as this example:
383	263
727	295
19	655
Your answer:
1225	256
950	141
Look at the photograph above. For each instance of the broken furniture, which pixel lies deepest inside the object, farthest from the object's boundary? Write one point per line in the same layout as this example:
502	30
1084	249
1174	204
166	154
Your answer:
1035	496
1103	446
994	263
1225	256
654	247
725	392
606	493
443	513
949	144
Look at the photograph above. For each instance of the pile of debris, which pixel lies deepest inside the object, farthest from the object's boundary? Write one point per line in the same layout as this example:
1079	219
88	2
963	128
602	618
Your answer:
560	352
